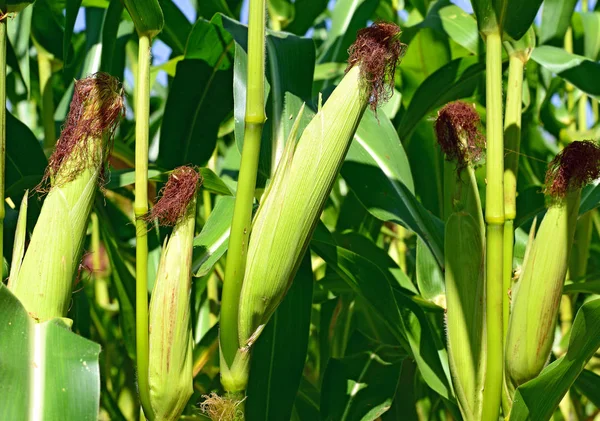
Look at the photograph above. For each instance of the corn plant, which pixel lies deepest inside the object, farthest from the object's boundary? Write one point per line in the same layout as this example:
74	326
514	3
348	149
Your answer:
299	210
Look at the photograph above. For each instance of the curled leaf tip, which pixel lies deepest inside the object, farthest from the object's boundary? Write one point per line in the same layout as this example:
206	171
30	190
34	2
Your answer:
458	134
95	110
377	50
575	166
180	189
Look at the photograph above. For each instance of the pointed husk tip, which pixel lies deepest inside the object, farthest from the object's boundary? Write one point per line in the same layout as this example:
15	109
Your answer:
574	167
458	134
181	187
377	50
95	110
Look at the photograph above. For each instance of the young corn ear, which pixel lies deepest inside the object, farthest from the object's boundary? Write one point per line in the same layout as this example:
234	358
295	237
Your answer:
170	373
147	16
290	211
44	280
460	139
536	296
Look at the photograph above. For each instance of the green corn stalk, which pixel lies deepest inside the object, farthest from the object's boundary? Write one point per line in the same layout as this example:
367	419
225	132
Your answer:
44	280
459	138
3	39
148	19
537	294
303	181
170	374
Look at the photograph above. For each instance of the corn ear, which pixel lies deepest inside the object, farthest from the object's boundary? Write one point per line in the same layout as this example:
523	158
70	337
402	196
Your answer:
537	294
170	374
290	212
45	278
465	322
459	138
147	16
19	243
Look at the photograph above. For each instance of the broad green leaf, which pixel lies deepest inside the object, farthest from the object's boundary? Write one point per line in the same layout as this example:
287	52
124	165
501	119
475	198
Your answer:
457	79
212	241
580	71
556	18
25	160
587	287
538	398
518	16
126	177
308	402
279	354
110	31
368	249
397	312
177	27
530	202
19	39
72	8
123	281
430	277
590	198
208	8
305	13
200	97
427	52
377	171
47	27
588	383
47	372
460	26
586	34
362	385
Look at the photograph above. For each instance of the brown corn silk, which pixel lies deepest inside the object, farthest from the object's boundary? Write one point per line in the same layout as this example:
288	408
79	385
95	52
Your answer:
457	129
378	50
574	167
180	188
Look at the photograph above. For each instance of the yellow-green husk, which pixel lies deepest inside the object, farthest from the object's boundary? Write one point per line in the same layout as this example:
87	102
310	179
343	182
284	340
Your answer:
289	213
536	296
170	374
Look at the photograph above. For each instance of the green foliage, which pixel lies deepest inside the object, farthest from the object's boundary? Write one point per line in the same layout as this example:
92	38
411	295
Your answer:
362	332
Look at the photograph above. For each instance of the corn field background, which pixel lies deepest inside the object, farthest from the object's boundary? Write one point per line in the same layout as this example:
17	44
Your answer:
365	330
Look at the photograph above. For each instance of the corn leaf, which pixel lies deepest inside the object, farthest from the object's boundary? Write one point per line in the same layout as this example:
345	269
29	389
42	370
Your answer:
362	385
579	70
212	241
47	372
279	354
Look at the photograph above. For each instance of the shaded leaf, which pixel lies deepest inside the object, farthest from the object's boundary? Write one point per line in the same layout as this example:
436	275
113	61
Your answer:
279	354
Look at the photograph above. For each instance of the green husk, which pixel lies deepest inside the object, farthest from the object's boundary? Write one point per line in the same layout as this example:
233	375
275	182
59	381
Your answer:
457	130
44	280
537	294
170	374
